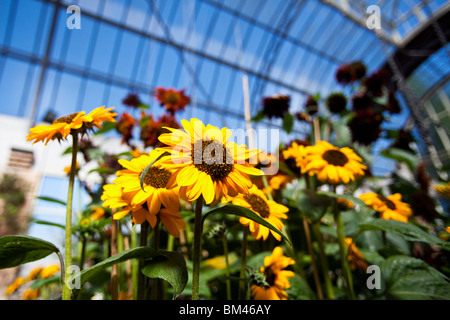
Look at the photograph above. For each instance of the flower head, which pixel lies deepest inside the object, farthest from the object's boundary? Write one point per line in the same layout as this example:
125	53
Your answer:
350	72
276	106
336	102
354	256
132	100
151	129
49	271
390	208
172	100
125	127
269	210
15	285
157	198
78	122
333	164
206	163
299	153
277	279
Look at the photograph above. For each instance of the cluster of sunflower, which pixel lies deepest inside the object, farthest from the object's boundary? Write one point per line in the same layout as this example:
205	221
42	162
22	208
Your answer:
30	292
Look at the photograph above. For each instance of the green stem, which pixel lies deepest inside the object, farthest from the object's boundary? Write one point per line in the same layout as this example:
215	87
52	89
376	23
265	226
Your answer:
243	282
196	255
227	266
68	229
313	259
142	279
343	251
323	261
134	262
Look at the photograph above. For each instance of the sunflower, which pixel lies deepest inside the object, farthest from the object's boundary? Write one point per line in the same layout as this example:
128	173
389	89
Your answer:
15	285
269	210
299	153
206	163
171	99
333	164
391	208
354	256
49	271
443	189
277	279
75	122
113	197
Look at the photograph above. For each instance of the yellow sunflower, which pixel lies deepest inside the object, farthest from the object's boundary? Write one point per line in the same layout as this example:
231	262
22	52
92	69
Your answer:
113	198
206	163
269	210
75	122
299	153
276	278
158	186
443	189
391	208
15	285
333	164
355	257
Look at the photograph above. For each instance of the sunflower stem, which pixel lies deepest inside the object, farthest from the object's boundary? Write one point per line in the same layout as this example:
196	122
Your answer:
343	251
142	279
313	259
196	256
114	268
66	293
227	266
323	261
243	282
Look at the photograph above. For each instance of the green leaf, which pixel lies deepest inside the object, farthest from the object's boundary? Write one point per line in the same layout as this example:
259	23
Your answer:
288	122
135	253
259	116
42	282
353	199
143	106
169	266
102	170
311	204
144	172
17	250
67	151
246	213
107	126
50	199
412	279
409	158
407	230
47	223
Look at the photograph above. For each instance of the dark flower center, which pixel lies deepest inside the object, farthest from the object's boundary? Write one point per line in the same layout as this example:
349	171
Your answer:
157	178
335	157
258	204
66	119
391	205
270	276
213	158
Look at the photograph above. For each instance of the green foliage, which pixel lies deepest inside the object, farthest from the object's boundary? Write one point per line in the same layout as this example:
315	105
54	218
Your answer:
17	250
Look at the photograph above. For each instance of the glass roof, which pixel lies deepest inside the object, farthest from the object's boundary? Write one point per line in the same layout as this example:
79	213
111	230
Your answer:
288	47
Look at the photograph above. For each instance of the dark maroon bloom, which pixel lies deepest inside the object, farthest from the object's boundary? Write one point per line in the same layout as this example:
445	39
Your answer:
350	72
365	126
276	106
336	102
132	100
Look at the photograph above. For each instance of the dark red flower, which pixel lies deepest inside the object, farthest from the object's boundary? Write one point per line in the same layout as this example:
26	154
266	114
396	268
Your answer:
172	100
350	72
336	102
376	82
276	106
125	126
151	129
365	126
132	100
